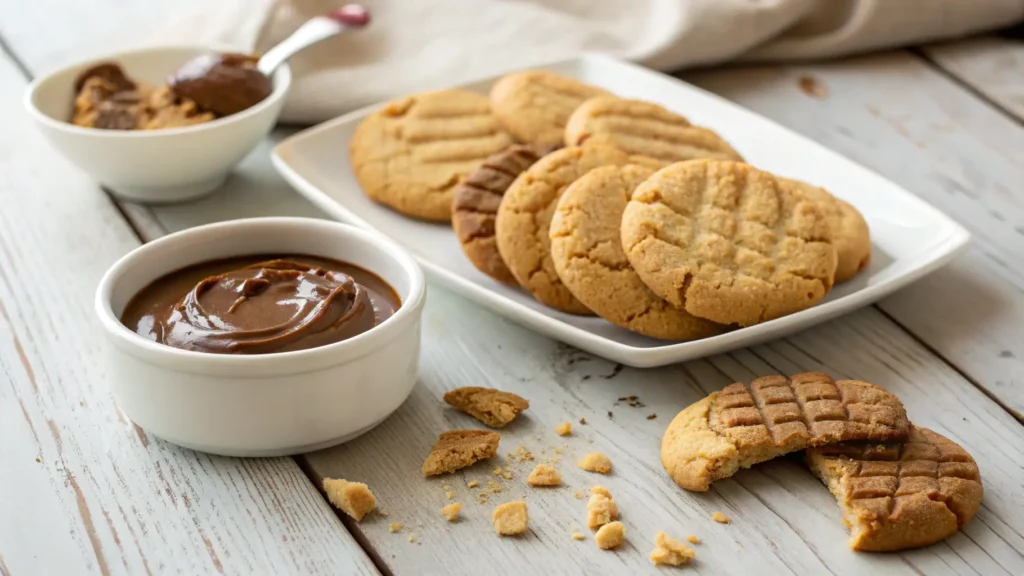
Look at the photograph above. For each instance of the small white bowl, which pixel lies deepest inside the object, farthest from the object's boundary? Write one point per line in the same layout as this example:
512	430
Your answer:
266	404
169	165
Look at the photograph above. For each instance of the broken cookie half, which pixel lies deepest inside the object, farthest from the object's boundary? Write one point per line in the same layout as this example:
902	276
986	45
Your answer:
743	425
493	407
457	449
900	495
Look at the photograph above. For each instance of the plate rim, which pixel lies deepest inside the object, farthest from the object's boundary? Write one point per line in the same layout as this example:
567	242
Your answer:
948	247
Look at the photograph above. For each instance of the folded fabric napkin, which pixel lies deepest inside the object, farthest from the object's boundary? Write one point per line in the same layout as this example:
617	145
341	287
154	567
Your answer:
415	45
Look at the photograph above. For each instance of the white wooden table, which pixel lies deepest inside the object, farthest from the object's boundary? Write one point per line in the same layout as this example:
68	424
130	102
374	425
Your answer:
83	491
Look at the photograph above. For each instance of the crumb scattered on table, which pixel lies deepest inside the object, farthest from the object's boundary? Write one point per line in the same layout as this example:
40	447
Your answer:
670	552
352	498
583	421
609	414
720	518
610	535
693	539
522	455
601	508
578	536
510	518
544	475
449	494
412	538
395	527
472	484
596	462
492	407
451	511
652	416
563	429
579	494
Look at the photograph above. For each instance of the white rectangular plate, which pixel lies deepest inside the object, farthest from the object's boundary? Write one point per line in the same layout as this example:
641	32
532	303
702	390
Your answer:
909	237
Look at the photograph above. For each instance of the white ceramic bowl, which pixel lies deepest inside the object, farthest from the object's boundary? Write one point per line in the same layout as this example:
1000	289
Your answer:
168	165
267	404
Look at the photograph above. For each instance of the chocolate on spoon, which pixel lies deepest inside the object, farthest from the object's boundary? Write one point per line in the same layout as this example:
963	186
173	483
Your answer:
229	83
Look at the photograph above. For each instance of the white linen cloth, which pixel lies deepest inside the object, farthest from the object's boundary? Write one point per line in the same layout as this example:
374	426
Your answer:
414	45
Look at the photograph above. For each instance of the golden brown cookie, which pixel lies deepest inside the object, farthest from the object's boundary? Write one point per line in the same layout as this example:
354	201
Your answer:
488	405
587	254
727	242
851	236
411	154
534	105
644	129
352	498
743	425
900	495
457	449
476	205
524	219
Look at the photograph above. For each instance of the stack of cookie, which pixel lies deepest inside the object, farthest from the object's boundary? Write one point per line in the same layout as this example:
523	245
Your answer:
898	485
600	205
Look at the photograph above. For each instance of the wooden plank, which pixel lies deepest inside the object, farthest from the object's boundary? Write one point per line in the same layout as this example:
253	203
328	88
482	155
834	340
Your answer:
899	116
784	520
86	492
992	66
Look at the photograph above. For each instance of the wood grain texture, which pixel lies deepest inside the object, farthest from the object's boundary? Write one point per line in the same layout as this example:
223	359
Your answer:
992	66
897	115
783	519
85	491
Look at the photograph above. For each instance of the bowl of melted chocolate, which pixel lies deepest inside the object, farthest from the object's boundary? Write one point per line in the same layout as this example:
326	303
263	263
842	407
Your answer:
262	337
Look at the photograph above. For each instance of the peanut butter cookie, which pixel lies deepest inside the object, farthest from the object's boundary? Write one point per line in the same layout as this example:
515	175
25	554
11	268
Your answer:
524	219
850	234
743	425
411	154
644	129
900	495
352	498
476	205
488	405
728	243
587	254
457	449
534	105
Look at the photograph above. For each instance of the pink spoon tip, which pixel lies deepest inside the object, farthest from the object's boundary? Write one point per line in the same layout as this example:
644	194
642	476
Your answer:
354	15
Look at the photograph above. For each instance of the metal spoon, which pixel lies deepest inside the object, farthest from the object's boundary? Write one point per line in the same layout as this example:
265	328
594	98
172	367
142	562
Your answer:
344	19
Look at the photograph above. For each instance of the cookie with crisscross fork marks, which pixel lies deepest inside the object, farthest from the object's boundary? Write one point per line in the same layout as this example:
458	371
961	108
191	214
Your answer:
644	129
588	256
743	425
900	495
412	153
534	105
728	242
476	206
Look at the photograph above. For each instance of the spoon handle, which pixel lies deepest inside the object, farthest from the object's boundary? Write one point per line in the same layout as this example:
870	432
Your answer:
347	18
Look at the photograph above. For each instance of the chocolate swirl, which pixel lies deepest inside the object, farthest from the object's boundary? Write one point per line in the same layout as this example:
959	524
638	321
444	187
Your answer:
272	306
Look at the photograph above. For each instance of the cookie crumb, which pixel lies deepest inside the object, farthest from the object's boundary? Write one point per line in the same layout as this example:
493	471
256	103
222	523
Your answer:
494	486
38	459
510	518
578	536
492	407
579	494
601	508
693	539
558	451
596	462
352	498
610	535
451	511
652	416
395	527
522	455
720	518
544	475
456	449
563	429
472	484
412	538
482	498
450	494
670	552
583	421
